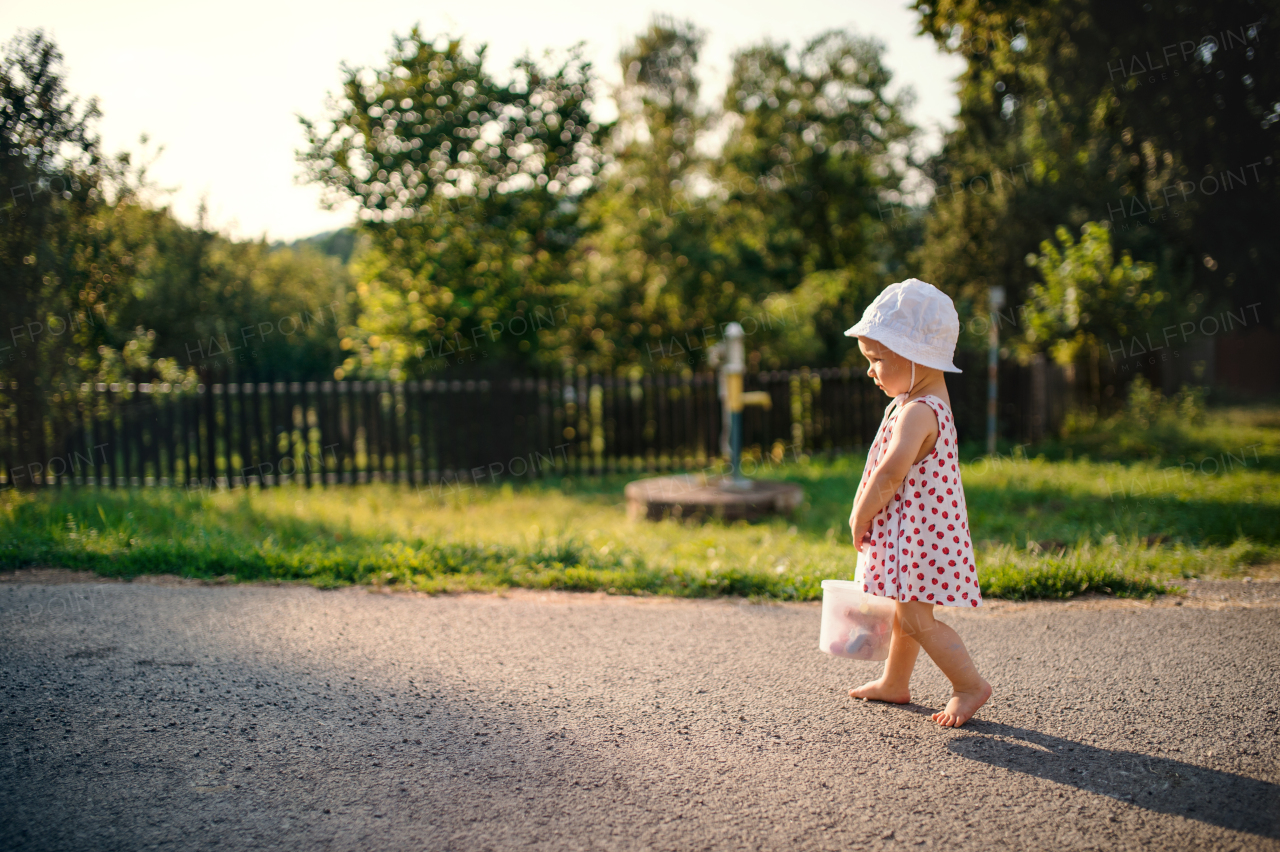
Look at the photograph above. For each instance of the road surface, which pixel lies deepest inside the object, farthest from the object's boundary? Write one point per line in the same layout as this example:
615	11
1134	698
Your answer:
187	716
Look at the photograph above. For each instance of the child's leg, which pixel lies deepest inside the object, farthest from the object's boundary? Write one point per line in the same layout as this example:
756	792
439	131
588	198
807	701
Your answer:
944	647
894	684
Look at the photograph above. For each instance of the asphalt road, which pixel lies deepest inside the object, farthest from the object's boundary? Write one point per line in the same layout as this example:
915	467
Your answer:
140	716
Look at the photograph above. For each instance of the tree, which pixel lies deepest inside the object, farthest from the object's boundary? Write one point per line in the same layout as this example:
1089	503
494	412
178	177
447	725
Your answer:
469	191
1139	115
62	258
1087	300
780	231
101	285
655	276
817	151
228	309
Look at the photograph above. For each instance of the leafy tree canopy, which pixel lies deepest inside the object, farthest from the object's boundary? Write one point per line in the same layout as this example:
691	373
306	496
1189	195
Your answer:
1157	119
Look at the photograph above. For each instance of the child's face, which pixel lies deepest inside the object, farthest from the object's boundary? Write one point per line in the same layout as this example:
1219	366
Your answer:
891	372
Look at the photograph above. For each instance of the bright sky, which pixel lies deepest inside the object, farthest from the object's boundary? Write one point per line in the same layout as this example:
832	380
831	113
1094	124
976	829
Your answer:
220	86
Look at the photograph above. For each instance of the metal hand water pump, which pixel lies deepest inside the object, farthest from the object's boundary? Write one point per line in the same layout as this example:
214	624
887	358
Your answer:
734	399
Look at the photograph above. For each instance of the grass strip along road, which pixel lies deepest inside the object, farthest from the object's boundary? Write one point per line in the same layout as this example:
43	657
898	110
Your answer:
1044	527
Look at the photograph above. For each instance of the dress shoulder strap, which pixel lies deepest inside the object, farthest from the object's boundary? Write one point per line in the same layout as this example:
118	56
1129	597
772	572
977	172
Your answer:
940	409
930	400
946	420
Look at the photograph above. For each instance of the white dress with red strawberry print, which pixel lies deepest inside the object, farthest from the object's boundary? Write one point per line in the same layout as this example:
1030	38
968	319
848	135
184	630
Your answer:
921	549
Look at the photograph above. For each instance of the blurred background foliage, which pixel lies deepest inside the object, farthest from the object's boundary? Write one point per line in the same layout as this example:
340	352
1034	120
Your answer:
501	226
1157	119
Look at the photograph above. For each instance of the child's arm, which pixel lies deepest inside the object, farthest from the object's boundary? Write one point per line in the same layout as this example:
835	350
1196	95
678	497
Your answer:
913	439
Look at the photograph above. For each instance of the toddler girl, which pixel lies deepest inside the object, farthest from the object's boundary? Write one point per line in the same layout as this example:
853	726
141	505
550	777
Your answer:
909	521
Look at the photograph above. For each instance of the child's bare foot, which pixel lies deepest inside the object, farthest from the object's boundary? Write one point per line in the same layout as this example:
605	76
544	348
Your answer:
962	706
876	691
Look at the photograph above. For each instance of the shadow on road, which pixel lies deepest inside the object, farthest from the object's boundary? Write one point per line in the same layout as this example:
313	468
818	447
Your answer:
217	720
1153	783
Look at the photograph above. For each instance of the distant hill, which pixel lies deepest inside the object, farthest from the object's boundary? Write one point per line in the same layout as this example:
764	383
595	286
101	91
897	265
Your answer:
339	243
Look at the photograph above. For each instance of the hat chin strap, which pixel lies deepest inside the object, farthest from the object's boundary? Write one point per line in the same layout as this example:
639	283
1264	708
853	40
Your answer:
898	402
901	397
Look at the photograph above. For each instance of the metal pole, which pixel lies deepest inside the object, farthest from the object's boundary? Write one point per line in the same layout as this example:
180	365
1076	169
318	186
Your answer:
993	356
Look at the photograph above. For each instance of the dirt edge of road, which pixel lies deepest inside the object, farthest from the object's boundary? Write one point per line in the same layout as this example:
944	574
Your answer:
1247	592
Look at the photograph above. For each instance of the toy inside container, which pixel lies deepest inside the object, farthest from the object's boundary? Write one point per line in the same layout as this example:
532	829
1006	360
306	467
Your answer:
854	624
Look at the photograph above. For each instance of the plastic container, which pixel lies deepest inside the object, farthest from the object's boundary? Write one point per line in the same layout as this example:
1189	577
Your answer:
854	624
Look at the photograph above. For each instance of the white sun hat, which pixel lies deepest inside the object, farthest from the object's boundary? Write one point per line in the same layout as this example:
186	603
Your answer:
916	320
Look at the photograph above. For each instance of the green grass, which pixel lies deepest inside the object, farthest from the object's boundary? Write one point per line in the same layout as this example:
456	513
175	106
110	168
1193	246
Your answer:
1172	430
1043	529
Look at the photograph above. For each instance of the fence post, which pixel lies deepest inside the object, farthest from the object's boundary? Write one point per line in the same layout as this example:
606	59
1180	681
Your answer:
240	391
324	431
342	422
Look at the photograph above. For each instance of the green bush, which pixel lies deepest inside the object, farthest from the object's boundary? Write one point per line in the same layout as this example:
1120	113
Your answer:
1149	426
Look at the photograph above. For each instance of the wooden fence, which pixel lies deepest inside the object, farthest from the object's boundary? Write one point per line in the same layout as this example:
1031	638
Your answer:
320	433
232	435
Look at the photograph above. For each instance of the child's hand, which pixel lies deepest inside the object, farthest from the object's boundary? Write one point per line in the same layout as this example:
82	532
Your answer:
861	532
